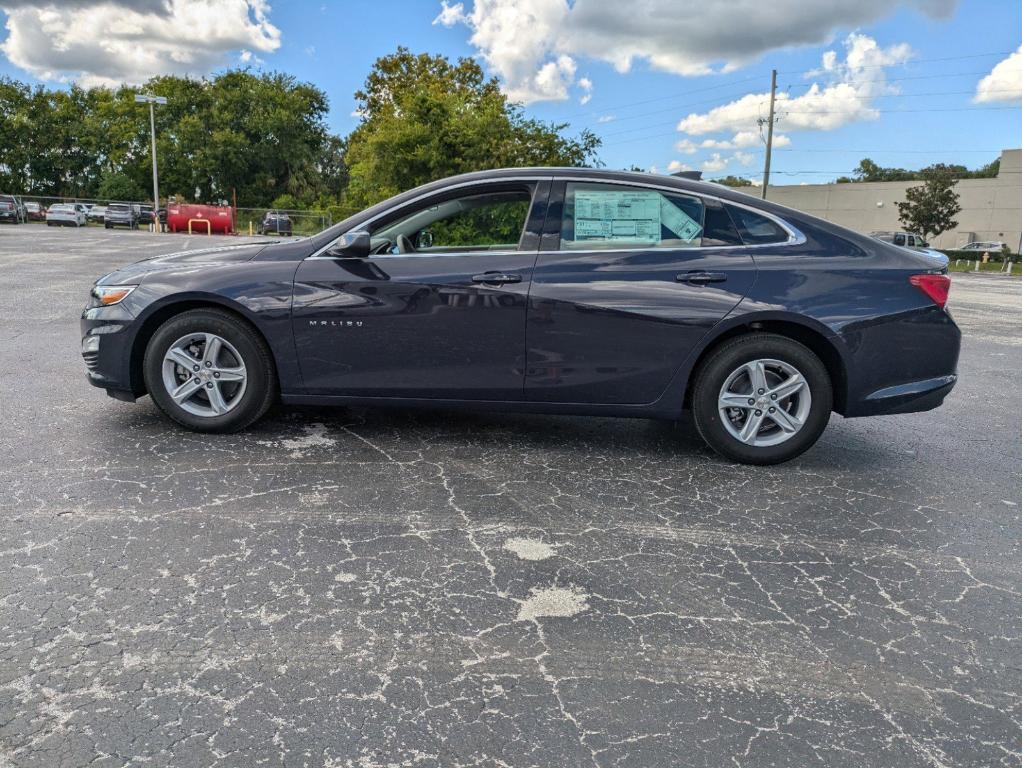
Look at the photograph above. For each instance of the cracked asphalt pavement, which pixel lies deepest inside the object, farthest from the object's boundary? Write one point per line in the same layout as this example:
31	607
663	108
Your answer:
367	588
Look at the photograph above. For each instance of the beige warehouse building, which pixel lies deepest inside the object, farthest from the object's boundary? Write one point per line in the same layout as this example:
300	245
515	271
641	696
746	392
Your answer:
991	208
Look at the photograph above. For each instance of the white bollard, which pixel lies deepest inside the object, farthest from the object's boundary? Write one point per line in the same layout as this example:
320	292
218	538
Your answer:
977	266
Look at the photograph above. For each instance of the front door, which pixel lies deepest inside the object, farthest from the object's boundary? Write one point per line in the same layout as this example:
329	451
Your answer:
628	281
437	311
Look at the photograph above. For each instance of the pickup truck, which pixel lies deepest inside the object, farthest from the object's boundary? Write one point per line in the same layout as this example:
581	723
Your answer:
12	209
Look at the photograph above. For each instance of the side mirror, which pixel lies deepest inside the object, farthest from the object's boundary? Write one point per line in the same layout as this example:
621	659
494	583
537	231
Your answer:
424	239
350	245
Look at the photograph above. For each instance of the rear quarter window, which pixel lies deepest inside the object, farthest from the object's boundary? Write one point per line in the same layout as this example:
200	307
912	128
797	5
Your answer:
757	229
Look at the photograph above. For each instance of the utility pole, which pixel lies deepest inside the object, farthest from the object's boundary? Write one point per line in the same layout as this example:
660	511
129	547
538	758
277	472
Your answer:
152	101
770	132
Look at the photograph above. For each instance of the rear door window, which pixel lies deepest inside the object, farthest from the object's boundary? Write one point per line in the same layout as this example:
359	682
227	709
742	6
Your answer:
608	216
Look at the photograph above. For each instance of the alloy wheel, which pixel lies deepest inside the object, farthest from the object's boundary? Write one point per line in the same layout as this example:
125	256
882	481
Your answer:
764	402
204	374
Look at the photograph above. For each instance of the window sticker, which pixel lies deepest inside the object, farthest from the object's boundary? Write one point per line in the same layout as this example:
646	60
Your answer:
628	215
677	221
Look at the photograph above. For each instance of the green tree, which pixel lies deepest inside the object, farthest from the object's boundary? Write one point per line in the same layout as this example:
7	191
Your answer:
867	170
424	118
263	135
15	131
116	185
930	209
733	181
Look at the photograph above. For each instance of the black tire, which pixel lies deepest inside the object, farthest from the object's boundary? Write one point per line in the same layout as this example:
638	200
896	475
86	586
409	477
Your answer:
261	386
108	226
728	358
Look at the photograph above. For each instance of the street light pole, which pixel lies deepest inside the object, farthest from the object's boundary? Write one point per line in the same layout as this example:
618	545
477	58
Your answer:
152	101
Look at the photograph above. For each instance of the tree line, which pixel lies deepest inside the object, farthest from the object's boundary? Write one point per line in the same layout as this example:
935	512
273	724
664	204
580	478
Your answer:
867	170
264	137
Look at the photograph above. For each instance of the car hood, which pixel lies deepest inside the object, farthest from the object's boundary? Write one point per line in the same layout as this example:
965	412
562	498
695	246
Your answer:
203	257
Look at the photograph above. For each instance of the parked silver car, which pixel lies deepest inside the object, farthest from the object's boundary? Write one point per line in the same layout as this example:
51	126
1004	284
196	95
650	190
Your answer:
985	246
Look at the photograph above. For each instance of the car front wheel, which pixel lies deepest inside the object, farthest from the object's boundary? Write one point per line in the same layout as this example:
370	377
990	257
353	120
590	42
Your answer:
762	399
210	371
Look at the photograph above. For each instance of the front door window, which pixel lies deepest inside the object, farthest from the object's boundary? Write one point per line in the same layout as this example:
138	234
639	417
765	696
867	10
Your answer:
482	222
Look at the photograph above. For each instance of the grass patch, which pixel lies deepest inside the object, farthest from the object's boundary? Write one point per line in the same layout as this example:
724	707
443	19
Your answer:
991	268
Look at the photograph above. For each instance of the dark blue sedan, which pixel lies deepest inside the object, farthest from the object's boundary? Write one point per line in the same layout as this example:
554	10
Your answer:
545	290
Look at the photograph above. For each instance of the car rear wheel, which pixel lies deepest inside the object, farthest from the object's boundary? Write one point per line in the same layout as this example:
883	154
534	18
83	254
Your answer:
210	371
762	399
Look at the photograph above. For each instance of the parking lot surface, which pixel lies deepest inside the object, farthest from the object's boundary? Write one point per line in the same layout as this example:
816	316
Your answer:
395	588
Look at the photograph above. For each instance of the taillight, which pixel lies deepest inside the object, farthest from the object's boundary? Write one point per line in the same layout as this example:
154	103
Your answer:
934	286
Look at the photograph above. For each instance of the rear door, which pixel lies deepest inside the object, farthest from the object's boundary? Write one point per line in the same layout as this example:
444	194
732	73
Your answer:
438	310
628	280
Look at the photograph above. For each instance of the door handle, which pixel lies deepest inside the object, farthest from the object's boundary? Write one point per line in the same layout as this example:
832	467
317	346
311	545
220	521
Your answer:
496	278
701	278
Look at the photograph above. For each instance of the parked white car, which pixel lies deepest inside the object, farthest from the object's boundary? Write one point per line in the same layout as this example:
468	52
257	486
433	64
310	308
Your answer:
66	215
984	247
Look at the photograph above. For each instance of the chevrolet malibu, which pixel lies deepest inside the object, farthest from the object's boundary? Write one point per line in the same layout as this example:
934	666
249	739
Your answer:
544	290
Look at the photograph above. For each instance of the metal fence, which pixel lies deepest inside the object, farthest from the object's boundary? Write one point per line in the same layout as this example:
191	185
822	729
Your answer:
251	221
246	220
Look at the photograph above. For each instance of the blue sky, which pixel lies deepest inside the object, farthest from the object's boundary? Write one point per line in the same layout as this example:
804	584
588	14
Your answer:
901	86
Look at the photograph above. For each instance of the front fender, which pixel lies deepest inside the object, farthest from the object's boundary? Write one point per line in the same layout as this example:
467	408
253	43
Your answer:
260	292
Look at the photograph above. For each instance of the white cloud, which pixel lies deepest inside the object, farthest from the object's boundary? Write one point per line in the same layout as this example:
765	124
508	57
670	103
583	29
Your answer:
518	38
551	82
686	147
109	42
1004	83
587	90
450	14
744	140
605	119
745	158
676	165
847	96
715	163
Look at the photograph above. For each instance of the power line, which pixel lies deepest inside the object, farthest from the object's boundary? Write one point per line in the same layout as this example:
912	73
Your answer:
736	97
825	112
919	95
784	111
893	111
898	151
919	61
672	96
730	83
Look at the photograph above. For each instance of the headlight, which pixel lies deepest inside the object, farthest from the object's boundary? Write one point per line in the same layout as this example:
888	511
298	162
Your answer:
107	295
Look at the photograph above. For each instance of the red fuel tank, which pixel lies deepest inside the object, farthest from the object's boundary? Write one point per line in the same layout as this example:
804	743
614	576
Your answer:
213	219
